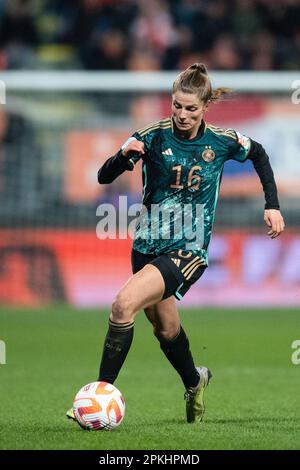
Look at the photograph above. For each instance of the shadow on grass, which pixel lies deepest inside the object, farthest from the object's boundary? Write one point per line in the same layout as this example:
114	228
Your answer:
256	420
292	421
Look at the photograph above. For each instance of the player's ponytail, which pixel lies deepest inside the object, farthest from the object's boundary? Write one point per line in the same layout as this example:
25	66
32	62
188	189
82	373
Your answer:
218	93
195	80
198	66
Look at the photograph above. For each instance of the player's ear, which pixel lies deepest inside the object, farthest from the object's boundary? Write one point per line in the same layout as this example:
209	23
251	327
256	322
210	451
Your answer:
206	105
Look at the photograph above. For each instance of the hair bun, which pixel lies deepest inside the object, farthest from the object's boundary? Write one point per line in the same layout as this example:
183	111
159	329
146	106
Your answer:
201	67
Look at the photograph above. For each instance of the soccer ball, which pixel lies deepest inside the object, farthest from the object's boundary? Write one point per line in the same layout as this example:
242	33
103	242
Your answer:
98	406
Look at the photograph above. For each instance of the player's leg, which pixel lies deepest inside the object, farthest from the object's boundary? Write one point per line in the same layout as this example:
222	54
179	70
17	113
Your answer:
173	341
144	288
175	345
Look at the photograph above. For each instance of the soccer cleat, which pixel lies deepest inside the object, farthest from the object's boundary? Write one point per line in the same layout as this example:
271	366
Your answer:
70	414
194	397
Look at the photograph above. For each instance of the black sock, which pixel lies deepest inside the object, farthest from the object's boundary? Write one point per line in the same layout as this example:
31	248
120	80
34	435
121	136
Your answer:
177	350
116	346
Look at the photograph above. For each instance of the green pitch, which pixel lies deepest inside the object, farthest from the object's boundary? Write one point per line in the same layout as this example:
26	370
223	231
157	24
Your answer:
253	401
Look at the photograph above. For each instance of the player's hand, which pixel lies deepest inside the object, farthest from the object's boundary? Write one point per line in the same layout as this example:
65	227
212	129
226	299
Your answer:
274	220
135	147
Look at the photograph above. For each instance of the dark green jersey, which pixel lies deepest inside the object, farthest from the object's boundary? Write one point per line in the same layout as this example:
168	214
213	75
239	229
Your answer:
181	180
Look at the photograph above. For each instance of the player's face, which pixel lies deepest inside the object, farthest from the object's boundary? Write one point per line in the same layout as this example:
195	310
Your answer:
187	112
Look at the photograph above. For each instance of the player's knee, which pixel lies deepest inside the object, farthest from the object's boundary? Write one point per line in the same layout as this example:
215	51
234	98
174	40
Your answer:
166	333
122	308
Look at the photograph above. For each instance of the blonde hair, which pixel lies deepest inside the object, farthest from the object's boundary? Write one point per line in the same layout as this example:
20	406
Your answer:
195	80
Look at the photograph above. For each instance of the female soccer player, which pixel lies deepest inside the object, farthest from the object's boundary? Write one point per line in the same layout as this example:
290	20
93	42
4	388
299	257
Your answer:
183	158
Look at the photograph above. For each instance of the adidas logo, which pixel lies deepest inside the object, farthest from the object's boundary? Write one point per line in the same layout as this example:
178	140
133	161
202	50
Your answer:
167	152
176	261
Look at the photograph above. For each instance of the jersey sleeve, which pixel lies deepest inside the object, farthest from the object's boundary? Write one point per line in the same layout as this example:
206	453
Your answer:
263	168
116	165
147	139
239	147
134	157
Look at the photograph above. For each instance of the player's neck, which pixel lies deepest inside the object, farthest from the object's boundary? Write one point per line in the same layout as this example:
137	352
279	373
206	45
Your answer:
188	135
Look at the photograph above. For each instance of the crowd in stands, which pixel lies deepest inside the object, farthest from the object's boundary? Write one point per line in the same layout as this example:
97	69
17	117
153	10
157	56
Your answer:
150	34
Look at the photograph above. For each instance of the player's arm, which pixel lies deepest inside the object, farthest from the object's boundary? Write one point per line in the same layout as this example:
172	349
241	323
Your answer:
272	214
125	159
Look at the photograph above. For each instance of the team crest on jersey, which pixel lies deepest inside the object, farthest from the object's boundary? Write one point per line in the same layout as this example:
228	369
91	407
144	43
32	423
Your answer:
208	154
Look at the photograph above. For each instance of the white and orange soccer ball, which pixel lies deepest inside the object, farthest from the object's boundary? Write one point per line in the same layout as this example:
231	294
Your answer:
99	406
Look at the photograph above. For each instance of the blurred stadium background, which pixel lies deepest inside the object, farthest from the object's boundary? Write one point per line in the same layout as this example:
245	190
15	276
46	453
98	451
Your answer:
80	77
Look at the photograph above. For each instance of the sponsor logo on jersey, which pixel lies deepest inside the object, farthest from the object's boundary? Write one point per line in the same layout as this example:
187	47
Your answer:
167	152
208	154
